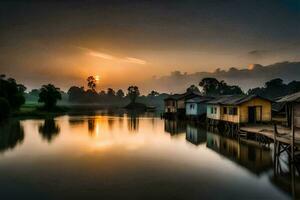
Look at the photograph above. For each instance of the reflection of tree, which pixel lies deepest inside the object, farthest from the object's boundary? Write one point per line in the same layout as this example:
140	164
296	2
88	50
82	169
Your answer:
133	122
91	126
110	122
49	130
75	122
11	134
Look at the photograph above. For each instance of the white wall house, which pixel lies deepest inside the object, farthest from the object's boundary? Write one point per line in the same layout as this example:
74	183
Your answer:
213	112
196	106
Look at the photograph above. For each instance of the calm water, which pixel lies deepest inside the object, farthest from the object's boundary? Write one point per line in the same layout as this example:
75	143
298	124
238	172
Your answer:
131	157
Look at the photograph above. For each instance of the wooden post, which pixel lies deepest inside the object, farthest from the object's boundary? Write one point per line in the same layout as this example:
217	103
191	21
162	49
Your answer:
292	131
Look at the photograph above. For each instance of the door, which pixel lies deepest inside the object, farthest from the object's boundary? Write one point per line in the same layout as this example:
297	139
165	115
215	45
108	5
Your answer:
251	114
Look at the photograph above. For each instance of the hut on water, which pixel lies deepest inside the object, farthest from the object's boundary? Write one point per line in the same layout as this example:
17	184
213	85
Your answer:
290	106
175	104
196	106
240	109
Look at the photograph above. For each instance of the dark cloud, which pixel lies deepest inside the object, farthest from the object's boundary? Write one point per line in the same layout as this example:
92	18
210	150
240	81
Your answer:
253	76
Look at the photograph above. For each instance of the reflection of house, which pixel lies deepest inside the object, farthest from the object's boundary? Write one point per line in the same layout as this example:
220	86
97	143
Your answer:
175	127
195	134
240	109
196	106
251	156
176	103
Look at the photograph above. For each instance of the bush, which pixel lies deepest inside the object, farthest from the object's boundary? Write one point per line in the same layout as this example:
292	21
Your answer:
4	108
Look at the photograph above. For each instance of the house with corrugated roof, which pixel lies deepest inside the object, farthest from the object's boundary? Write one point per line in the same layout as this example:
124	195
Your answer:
240	109
196	106
290	106
176	103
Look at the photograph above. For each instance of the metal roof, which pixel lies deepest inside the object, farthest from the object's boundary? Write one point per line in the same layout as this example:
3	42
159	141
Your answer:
184	95
200	99
234	99
290	98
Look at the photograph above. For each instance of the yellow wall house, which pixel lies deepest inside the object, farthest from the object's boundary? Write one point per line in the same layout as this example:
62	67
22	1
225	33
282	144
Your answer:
240	109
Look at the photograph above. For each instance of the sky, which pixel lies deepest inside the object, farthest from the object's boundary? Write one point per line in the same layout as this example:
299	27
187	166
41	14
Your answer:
133	42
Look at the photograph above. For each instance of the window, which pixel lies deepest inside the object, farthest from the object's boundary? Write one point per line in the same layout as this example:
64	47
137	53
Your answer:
215	110
234	110
225	110
192	106
212	110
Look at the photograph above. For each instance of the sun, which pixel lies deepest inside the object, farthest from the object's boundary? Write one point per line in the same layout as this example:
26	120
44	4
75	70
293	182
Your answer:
97	78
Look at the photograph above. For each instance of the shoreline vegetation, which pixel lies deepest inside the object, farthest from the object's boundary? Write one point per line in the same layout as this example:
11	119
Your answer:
50	101
34	110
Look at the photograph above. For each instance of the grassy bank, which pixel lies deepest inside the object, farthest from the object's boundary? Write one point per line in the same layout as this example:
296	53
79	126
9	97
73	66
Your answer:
37	111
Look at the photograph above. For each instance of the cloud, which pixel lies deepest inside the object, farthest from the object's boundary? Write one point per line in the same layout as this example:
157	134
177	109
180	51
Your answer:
135	60
252	76
101	55
111	57
258	53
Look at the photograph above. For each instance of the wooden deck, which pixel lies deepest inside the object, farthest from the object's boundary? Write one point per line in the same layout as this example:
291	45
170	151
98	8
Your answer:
283	136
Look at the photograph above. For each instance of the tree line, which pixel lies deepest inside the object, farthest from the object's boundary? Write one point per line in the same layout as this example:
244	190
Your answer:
12	93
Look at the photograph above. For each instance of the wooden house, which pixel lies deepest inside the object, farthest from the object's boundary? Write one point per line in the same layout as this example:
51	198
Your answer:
196	106
290	105
240	109
175	104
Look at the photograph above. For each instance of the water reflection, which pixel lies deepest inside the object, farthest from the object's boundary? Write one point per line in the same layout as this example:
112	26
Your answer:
255	158
91	126
49	130
195	134
133	122
11	134
120	157
175	127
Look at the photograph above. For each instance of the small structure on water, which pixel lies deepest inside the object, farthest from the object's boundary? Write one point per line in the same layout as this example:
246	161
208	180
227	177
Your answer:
240	109
197	106
175	104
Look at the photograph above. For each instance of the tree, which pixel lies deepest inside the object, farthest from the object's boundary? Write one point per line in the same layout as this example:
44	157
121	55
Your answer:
49	95
209	85
120	93
12	92
4	108
111	92
193	88
91	82
34	92
153	93
212	86
76	94
133	93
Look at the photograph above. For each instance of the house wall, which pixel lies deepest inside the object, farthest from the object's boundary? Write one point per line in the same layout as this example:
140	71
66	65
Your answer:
297	115
230	117
181	104
191	108
170	106
214	115
264	108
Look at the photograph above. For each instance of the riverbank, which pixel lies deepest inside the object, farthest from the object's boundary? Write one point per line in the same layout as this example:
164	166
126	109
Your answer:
37	111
